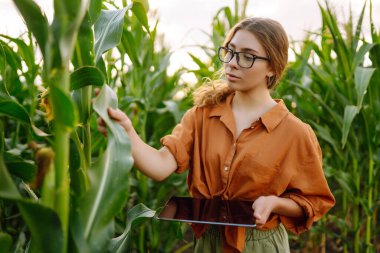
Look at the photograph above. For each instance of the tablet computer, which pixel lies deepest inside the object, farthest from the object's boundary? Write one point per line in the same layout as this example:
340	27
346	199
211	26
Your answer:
209	211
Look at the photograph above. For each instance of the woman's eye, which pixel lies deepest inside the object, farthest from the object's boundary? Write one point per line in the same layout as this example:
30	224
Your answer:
248	57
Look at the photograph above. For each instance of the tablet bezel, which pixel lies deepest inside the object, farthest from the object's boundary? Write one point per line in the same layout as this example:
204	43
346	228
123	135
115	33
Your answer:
208	211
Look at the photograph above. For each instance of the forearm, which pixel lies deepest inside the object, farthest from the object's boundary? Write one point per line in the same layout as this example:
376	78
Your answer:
156	164
287	207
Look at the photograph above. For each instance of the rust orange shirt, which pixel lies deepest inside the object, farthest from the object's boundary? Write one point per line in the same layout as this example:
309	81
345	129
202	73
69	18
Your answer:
278	155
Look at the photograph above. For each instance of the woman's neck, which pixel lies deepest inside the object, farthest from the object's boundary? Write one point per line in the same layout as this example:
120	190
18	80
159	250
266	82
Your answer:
258	101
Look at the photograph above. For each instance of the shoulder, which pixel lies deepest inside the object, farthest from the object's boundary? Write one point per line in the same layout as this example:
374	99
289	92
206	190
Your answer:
299	130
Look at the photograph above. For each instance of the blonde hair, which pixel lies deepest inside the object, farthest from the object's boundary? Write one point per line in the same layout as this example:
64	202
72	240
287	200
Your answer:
274	40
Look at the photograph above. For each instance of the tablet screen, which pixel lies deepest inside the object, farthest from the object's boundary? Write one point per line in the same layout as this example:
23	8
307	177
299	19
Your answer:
209	211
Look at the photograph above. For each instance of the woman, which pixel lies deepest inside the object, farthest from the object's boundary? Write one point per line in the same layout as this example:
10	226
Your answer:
239	143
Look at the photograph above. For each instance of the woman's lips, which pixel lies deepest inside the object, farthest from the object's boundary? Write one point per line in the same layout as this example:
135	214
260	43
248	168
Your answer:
232	77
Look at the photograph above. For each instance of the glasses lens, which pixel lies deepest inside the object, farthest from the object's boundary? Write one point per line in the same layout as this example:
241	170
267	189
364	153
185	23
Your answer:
245	60
225	55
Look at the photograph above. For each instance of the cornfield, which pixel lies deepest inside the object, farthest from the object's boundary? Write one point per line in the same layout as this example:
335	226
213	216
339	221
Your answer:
66	188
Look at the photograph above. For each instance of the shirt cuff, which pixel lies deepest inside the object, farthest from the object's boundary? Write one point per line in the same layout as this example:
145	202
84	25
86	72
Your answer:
298	225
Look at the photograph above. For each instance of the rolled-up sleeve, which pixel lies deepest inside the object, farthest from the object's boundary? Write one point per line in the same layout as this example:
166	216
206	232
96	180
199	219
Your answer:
181	141
308	186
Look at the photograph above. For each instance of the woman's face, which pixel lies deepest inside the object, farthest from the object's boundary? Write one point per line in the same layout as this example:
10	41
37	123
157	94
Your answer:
254	78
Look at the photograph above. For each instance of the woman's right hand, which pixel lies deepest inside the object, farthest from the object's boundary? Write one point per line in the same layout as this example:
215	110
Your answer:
118	116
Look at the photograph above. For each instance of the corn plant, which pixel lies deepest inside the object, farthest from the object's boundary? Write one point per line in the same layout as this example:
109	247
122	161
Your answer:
224	19
138	71
74	208
338	96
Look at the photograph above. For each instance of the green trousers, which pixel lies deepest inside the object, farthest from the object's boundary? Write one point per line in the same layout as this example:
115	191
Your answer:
256	241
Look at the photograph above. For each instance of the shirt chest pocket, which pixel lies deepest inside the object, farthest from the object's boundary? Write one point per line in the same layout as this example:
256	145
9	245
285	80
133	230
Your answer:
255	174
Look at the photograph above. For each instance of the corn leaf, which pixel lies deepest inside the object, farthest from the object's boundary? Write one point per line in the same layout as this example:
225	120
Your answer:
11	108
108	30
68	18
85	76
5	242
136	215
129	45
108	177
84	49
362	78
350	111
25	170
8	189
2	59
25	51
359	56
36	22
94	10
10	57
37	216
139	9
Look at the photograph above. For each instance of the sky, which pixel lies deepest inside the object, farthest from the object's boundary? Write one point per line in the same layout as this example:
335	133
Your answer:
184	22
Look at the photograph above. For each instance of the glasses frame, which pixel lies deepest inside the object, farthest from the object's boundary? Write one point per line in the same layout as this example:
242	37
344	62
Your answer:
233	53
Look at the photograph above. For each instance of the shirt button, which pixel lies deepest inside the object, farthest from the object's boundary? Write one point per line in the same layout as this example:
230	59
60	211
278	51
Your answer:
225	168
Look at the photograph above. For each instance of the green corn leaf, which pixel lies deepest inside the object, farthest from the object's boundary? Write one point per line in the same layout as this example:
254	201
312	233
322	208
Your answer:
356	37
68	18
198	61
36	22
2	60
44	225
11	108
8	189
43	222
345	182
359	56
135	216
25	51
350	111
11	58
5	242
108	30
108	178
362	78
324	133
85	76
84	49
129	45
23	169
94	10
139	9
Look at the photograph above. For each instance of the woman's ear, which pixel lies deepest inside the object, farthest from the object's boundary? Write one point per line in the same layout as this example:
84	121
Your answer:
270	74
270	80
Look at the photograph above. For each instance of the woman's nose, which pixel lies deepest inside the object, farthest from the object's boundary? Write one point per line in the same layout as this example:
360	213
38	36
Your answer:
233	63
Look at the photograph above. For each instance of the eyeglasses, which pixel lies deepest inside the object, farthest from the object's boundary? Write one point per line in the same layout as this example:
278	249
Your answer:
244	60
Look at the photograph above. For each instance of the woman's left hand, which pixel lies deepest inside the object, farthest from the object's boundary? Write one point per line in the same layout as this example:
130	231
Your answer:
263	207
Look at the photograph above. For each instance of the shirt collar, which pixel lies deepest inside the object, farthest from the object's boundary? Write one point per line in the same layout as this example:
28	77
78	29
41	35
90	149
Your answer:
274	116
270	120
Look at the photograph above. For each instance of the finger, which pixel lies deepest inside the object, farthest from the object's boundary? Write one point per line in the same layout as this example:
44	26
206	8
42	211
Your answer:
117	114
257	216
102	130
259	226
101	122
